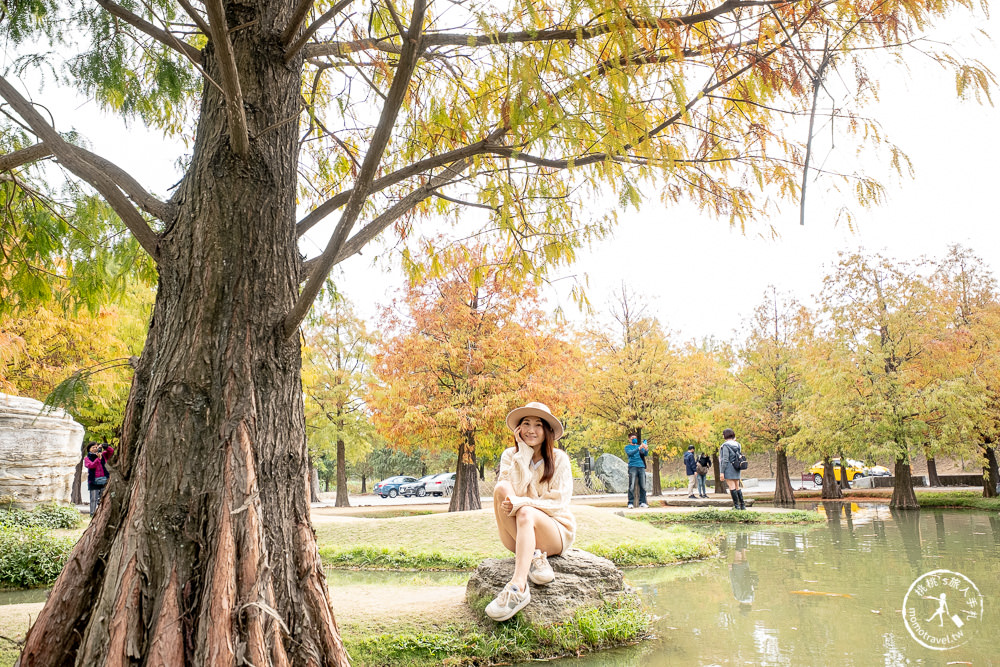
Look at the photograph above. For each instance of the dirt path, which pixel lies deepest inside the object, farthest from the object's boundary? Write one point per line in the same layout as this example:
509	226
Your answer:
367	605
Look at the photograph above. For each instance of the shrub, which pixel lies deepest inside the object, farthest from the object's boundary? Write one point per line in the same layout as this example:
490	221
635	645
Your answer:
31	557
49	516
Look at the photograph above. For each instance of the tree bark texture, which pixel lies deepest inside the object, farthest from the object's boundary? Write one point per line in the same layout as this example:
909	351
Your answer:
720	486
201	551
343	498
783	493
932	473
903	495
845	482
465	495
657	488
991	472
831	489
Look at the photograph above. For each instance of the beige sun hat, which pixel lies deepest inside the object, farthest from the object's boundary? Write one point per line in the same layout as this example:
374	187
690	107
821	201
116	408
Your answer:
535	409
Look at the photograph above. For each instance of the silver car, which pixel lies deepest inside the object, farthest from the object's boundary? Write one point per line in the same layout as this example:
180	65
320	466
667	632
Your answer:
440	485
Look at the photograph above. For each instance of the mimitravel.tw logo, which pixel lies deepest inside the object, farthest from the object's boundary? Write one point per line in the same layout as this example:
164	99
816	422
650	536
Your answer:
942	609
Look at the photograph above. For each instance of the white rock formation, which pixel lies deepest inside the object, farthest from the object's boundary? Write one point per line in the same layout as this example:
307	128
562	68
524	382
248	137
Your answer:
39	450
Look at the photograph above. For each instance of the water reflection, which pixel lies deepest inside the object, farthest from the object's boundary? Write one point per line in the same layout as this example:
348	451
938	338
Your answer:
829	595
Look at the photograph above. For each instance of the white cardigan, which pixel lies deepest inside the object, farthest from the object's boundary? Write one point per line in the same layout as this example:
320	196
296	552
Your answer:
551	497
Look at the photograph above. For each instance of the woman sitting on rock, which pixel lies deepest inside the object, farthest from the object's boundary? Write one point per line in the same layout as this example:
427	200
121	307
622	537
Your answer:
531	503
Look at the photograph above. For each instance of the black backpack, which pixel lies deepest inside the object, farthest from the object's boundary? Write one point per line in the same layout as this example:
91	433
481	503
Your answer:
738	459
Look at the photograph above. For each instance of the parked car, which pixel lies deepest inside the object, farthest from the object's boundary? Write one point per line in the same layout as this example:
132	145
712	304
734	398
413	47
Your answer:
416	488
441	485
855	469
389	487
877	471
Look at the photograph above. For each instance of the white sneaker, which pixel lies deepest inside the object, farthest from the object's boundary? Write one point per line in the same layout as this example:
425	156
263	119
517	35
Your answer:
540	572
629	506
643	505
508	602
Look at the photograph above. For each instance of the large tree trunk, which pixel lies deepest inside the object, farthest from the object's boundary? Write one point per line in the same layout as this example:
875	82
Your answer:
783	493
991	472
903	495
465	496
201	551
343	498
831	489
932	473
720	486
657	490
364	484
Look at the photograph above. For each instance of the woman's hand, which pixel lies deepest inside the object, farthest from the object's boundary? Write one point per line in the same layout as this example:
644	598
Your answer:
506	505
517	437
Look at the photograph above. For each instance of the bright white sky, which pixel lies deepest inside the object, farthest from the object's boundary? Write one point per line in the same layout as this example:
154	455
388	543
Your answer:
699	276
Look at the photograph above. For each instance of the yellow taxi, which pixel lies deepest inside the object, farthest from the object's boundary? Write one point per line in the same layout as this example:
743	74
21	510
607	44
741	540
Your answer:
855	469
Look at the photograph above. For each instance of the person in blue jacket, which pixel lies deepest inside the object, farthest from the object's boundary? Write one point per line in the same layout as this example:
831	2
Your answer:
636	454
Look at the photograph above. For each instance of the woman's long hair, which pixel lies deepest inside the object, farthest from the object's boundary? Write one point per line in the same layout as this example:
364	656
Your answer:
547	450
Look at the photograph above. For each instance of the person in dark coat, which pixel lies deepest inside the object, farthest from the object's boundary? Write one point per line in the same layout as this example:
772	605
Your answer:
636	454
689	469
96	462
727	456
702	465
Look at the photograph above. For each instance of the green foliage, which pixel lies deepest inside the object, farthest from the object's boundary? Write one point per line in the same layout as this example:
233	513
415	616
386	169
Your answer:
31	557
957	500
730	516
383	558
679	544
615	622
49	516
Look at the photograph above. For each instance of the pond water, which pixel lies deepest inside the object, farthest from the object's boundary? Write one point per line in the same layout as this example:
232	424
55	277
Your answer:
829	594
758	603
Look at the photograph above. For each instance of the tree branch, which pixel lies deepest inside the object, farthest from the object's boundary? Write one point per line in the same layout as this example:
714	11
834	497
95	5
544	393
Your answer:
69	156
298	17
339	199
196	17
239	137
119	176
311	30
145	26
24	156
557	34
380	139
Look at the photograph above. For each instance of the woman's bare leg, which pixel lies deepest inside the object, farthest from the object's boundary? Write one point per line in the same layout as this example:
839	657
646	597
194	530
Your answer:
535	530
733	484
506	525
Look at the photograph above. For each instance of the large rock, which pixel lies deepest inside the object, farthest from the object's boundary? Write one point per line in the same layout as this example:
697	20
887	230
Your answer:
39	450
582	580
613	473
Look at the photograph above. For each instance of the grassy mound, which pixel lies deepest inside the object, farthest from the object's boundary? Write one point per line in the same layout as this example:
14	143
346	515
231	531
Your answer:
712	515
614	623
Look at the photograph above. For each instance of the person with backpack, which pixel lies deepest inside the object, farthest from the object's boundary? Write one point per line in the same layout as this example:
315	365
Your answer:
96	462
733	463
636	455
702	465
690	469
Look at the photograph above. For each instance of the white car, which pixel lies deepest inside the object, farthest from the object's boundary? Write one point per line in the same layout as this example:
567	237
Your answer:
440	485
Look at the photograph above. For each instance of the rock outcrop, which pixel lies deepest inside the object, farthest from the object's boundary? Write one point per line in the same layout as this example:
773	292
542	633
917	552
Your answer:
582	580
613	473
39	450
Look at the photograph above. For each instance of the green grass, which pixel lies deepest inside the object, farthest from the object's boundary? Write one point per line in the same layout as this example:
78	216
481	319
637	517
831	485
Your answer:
731	516
926	498
957	500
371	557
461	540
677	545
613	623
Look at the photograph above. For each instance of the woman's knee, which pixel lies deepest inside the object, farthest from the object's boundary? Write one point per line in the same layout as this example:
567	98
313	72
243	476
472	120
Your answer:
526	518
502	490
